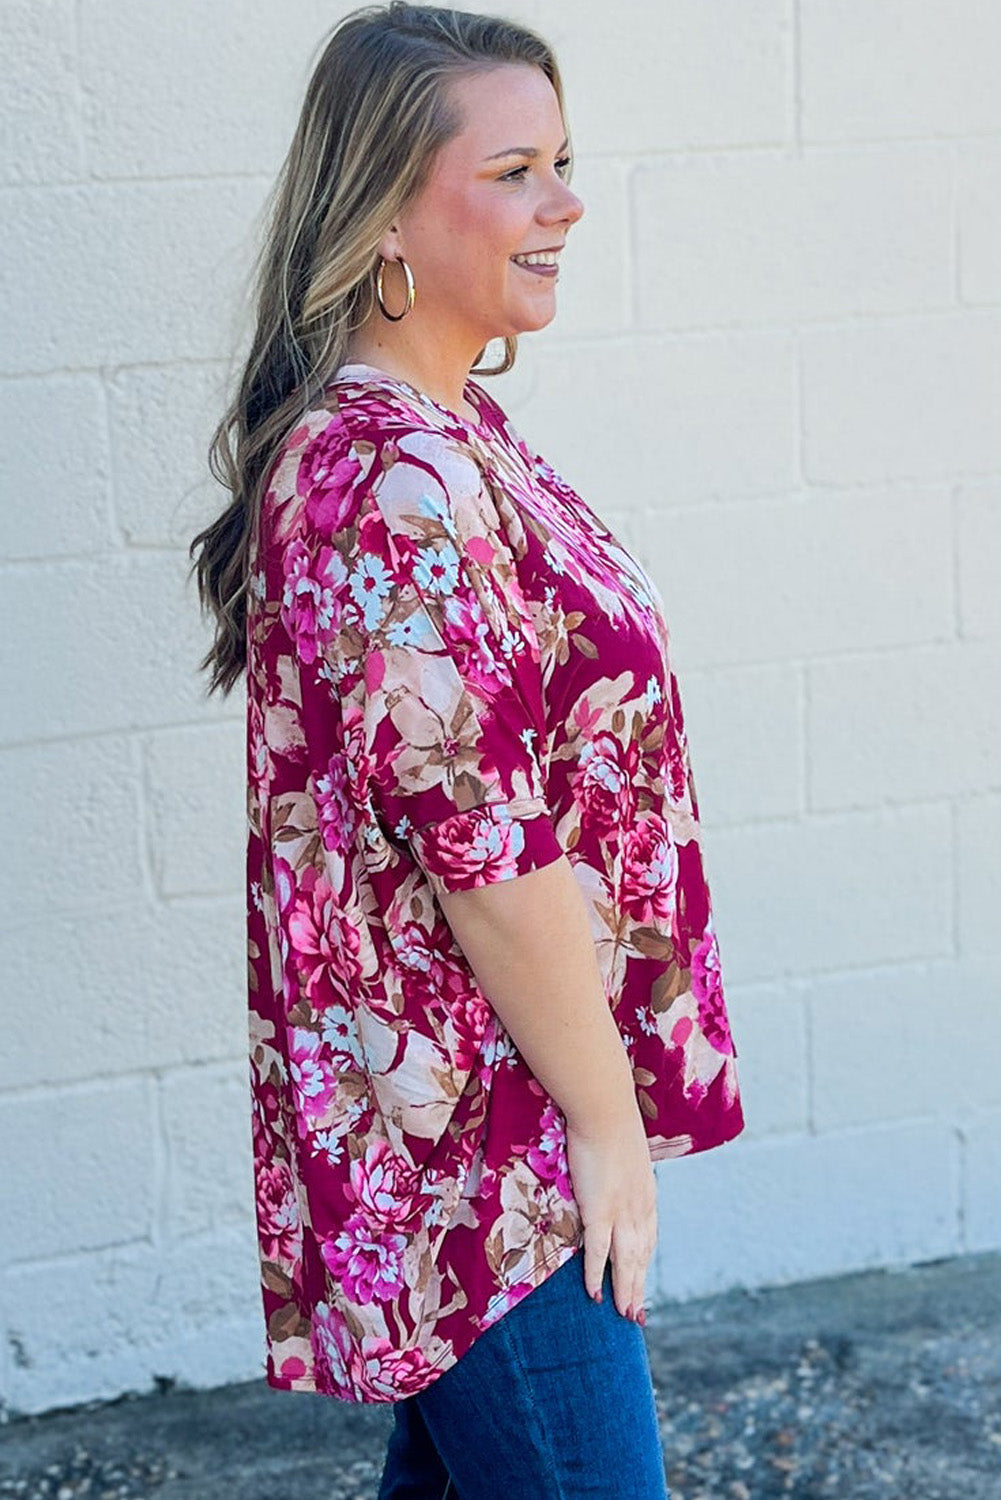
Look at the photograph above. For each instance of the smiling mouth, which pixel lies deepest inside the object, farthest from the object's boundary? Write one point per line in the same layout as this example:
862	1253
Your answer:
544	268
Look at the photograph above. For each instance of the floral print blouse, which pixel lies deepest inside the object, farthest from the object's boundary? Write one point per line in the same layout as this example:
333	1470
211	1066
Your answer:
455	675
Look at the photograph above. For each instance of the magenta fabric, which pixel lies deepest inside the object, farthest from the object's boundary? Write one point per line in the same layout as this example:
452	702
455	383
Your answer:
456	674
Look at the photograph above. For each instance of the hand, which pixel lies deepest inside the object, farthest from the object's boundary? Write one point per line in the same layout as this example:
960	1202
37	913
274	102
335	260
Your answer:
616	1191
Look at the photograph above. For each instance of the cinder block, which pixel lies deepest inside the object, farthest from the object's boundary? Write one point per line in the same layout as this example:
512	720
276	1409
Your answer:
919	1041
902	398
666	80
69	821
978	215
786	580
982	1201
783	234
789	1208
162	420
139	1314
58	472
209	1163
978	541
828	893
132	293
159	104
72	1324
744	728
40	128
105	645
197	800
978	876
897	69
79	1168
135	987
667	402
904	725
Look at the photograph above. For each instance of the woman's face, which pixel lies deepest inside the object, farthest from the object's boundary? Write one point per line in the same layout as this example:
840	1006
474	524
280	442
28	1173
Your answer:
480	207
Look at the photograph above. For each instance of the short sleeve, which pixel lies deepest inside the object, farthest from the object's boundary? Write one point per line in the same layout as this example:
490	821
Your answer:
414	623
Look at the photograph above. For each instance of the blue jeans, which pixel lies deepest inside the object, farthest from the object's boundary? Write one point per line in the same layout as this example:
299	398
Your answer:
554	1401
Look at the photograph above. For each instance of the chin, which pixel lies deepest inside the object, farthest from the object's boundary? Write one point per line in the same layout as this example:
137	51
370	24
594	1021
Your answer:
539	319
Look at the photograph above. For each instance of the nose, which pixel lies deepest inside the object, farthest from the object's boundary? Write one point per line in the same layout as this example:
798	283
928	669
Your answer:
567	209
576	209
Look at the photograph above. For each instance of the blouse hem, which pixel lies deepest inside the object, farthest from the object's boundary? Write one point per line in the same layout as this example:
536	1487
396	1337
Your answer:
308	1383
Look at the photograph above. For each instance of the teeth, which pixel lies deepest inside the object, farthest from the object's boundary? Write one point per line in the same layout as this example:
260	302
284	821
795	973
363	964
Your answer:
548	259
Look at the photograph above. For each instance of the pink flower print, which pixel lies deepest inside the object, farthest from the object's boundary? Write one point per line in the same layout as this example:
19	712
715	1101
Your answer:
549	1159
384	1187
311	599
278	1213
326	476
391	1374
483	841
471	1014
367	1260
707	987
326	944
359	763
312	1077
331	1342
336	814
602	784
649	871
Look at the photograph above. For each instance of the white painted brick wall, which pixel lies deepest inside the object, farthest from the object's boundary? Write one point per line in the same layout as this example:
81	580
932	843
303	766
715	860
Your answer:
781	315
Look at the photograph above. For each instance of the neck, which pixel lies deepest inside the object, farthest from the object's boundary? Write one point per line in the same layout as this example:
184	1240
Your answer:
418	361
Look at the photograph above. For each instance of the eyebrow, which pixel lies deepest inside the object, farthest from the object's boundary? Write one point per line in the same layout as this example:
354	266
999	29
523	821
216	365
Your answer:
523	151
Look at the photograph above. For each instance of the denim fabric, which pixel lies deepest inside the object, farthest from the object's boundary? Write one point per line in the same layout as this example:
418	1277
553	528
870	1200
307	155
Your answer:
552	1402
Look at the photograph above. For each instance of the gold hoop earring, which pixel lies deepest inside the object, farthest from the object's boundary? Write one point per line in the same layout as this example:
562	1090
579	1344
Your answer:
395	317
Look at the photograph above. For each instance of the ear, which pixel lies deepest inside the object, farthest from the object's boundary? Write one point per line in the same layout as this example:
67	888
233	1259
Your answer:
389	246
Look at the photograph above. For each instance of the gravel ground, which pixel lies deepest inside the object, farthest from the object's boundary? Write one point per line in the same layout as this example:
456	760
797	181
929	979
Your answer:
880	1386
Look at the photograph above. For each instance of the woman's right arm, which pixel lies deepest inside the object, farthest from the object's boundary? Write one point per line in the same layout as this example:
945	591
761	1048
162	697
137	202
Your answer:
529	944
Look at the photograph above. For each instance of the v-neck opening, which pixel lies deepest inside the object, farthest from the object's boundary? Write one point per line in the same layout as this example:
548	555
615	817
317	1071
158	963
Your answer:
484	427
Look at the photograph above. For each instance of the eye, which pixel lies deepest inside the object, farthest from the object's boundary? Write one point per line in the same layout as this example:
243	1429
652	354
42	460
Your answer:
515	176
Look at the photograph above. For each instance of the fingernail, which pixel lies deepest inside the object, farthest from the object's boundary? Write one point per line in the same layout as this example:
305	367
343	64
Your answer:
642	1317
630	1313
597	1295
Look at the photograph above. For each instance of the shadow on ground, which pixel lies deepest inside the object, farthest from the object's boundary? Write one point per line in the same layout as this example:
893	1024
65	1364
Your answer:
880	1386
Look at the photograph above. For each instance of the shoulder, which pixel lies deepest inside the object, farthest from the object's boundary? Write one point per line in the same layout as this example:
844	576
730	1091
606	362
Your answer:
360	453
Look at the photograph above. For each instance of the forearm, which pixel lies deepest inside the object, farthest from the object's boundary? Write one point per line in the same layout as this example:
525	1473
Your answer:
529	944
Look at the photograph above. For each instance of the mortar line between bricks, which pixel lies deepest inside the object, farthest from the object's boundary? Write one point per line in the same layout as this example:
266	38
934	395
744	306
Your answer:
633	341
78	90
796	73
144	832
115	527
211	1067
773	147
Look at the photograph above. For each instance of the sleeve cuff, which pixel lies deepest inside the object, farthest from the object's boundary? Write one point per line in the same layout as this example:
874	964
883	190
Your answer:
497	841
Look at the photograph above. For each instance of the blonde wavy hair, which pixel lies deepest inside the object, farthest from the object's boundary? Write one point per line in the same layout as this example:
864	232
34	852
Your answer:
376	111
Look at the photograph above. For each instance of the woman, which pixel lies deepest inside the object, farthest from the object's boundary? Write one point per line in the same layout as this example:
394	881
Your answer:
484	983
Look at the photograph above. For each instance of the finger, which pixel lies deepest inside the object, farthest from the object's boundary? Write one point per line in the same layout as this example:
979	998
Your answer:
596	1246
623	1276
